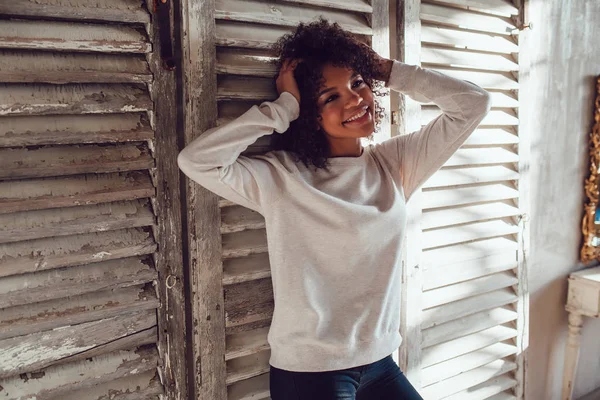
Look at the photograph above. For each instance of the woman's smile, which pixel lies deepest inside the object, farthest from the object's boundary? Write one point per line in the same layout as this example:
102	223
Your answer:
359	117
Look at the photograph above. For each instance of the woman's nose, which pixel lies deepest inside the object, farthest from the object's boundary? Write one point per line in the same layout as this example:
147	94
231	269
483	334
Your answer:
354	99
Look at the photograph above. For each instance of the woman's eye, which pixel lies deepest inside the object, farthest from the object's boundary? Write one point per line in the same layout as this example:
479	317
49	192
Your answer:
330	98
357	83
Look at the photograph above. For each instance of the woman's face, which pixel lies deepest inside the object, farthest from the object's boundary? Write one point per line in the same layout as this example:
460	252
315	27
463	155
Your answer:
345	104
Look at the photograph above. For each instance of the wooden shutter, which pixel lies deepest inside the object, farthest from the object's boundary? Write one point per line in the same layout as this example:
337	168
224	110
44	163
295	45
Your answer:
465	300
83	171
231	286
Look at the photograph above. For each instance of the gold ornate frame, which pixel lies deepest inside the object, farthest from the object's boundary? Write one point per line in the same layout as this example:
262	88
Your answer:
588	251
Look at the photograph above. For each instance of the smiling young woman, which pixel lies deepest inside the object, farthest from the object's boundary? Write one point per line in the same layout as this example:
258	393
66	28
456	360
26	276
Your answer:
335	211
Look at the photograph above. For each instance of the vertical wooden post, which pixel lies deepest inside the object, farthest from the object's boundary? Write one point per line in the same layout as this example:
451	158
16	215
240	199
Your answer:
571	354
380	23
522	290
409	51
169	257
199	87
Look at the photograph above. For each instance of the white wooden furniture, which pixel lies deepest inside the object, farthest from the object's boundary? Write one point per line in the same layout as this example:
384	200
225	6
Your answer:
583	300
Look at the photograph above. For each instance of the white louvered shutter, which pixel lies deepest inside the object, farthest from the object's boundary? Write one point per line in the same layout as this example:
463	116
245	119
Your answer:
464	326
243	34
78	231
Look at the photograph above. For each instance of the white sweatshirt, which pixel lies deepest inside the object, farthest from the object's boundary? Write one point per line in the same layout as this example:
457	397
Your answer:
335	237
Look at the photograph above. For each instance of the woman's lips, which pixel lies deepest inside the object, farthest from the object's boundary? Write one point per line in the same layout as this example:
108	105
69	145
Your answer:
366	117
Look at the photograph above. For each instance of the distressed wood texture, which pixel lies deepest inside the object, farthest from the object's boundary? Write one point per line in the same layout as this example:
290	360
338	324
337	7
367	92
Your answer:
469	295
202	210
89	225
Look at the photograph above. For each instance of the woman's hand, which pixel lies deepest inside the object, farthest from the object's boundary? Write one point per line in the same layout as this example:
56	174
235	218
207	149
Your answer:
384	65
285	79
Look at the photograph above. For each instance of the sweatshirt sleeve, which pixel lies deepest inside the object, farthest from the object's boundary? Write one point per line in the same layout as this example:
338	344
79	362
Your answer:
213	159
421	153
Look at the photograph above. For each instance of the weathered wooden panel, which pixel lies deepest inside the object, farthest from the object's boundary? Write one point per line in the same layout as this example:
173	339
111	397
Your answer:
447	36
145	386
65	251
236	219
37	194
74	160
247	367
246	343
39	99
463	59
248	302
73	310
249	62
243	269
24	353
28	225
47	67
244	243
57	283
57	381
504	7
67	36
239	34
465	19
244	88
253	388
74	129
286	14
354	5
92	10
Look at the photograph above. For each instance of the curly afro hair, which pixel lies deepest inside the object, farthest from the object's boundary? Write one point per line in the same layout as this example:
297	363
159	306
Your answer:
319	43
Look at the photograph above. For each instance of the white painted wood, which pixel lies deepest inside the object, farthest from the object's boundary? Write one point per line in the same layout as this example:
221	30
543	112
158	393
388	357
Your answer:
436	276
487	80
464	59
499	118
470	251
466	362
450	178
466	325
460	39
488	390
467	233
502	7
468	379
466	289
354	5
458	309
468	214
492	136
247	36
468	195
464	19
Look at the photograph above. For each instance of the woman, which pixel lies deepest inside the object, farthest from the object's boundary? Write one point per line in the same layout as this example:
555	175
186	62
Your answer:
335	221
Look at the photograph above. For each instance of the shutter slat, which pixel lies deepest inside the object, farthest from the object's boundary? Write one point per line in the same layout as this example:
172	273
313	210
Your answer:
503	396
466	252
487	389
466	19
242	368
469	214
245	62
48	315
469	195
60	161
40	99
463	290
244	243
256	388
59	380
146	385
286	14
66	251
38	194
37	224
460	39
466	325
493	118
247	343
492	137
456	58
248	302
114	11
82	337
237	88
53	284
60	68
466	233
237	34
466	344
66	36
494	6
467	362
238	270
238	218
450	178
462	308
487	80
354	5
438	276
466	380
482	156
74	129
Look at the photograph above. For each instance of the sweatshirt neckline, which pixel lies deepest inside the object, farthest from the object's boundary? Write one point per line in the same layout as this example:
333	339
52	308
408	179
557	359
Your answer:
349	160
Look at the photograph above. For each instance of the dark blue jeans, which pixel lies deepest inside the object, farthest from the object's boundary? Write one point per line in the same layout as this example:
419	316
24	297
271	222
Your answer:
381	380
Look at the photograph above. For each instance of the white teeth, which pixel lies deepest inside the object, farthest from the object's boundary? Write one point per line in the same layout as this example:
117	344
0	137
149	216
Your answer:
364	111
